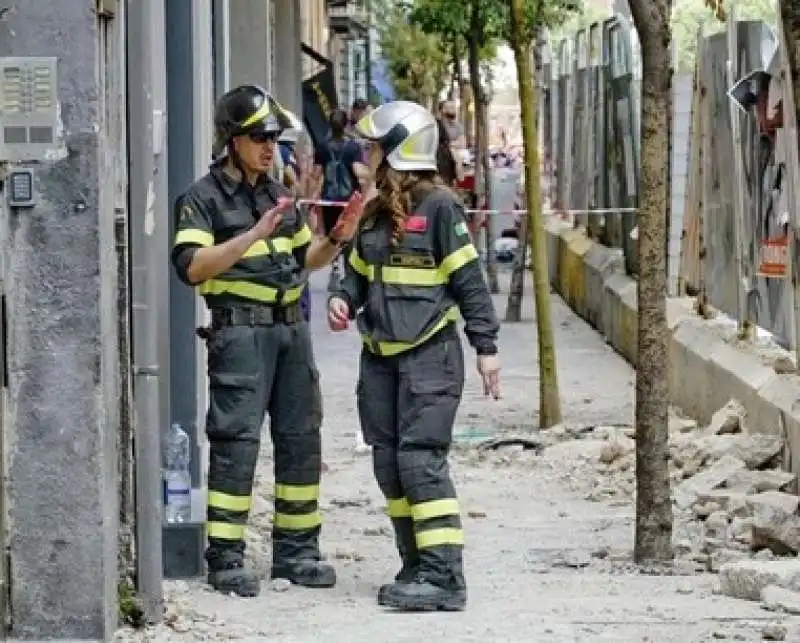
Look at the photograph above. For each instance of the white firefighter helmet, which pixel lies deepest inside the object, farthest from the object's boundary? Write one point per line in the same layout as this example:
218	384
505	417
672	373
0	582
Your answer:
406	132
295	130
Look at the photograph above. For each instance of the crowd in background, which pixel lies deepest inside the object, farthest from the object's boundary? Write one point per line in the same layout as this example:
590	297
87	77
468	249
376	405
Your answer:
334	168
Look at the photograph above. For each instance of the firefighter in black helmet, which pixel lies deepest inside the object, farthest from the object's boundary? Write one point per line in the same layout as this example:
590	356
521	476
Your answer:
411	270
242	242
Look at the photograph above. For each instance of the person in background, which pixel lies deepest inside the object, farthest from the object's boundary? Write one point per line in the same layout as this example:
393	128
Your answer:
455	130
338	164
445	161
357	112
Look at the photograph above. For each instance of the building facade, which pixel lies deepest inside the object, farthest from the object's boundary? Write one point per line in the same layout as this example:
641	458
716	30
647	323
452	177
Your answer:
98	354
349	48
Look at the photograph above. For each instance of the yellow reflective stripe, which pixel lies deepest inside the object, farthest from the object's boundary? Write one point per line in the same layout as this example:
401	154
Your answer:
416	276
247	290
282	244
412	276
225	531
438	537
388	349
297	493
360	266
302	237
195	237
258	249
220	500
435	509
293	294
456	260
260	115
398	508
298	522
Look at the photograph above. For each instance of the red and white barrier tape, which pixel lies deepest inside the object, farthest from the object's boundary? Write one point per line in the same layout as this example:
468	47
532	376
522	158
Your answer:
595	211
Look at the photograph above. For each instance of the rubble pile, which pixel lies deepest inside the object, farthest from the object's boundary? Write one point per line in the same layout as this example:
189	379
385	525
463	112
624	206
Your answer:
731	498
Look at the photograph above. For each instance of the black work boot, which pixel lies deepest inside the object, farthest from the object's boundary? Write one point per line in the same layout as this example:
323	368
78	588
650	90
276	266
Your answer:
237	578
306	572
228	573
423	595
438	585
407	547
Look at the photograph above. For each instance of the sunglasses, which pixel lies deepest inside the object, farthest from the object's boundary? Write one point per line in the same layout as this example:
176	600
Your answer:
263	137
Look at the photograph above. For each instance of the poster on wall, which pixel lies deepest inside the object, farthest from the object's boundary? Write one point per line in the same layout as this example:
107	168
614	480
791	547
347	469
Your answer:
773	258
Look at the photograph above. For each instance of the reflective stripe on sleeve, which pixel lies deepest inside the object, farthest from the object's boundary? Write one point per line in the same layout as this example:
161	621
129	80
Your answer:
302	237
194	236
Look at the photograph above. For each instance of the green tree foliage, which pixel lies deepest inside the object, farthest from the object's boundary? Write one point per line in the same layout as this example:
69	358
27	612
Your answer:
451	19
416	61
689	17
587	16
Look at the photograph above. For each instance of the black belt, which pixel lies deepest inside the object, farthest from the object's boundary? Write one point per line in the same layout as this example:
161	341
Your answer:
256	316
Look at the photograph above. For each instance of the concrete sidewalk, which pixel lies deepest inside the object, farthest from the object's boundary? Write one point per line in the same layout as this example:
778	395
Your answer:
547	559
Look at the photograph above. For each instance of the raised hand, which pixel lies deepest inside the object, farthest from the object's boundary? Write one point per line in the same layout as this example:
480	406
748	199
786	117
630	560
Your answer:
271	219
346	226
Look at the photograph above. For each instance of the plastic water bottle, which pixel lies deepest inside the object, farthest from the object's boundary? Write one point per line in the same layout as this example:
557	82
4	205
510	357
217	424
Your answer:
178	475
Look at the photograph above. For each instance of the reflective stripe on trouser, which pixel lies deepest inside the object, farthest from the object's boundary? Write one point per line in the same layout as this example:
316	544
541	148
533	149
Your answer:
407	405
295	421
247	368
400	514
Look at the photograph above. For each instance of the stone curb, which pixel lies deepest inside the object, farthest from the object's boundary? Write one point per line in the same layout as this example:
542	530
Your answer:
705	370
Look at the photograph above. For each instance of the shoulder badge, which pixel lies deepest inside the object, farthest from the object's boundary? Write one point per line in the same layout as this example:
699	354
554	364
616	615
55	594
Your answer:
187	212
416	223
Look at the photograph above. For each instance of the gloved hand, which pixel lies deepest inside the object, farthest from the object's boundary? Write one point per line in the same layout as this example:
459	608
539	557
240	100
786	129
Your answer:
489	369
346	226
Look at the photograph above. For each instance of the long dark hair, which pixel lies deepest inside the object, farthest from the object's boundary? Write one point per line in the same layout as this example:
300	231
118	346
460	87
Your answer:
396	196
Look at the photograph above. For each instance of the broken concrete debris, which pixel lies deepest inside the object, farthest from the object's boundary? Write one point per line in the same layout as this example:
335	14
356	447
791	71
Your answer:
731	498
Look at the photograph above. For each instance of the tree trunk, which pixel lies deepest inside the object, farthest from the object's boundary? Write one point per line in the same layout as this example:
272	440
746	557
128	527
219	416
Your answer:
516	292
653	542
482	176
491	263
455	81
790	17
549	397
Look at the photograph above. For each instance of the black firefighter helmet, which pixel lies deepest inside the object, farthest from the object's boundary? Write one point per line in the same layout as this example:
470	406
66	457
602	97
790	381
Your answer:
244	110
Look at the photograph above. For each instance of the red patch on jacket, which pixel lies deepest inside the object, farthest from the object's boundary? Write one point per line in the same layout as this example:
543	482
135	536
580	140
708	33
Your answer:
416	223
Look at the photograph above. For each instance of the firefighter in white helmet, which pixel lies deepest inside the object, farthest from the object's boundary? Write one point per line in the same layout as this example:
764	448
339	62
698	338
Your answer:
411	270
